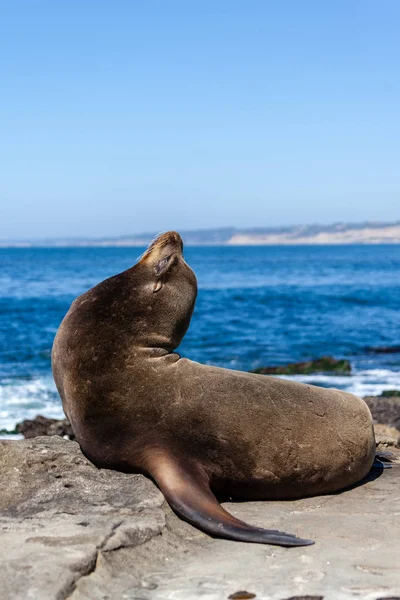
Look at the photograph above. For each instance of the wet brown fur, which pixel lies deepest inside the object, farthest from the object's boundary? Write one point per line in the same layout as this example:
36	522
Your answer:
135	405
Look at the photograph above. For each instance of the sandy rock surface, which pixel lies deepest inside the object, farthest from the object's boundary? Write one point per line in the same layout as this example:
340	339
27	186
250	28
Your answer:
70	530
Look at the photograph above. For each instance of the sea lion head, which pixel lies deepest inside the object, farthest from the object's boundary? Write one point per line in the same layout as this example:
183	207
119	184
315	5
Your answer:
167	289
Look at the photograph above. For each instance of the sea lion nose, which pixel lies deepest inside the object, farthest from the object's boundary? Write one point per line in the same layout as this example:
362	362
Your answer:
164	244
169	238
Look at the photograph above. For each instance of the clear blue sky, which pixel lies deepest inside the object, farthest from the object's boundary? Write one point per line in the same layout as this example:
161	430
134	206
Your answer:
127	116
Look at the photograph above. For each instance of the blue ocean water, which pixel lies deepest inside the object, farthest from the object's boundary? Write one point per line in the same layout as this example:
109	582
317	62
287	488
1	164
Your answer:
256	306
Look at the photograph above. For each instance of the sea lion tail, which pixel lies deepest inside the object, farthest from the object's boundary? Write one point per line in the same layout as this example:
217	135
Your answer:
187	491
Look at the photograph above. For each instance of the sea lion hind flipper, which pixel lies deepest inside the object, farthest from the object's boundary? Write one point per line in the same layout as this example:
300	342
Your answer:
385	455
187	491
383	460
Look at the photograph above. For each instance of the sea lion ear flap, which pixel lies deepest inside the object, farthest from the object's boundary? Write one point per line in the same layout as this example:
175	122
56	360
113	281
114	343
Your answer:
162	265
162	254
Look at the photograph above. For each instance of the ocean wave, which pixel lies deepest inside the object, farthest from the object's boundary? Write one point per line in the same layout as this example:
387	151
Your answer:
24	399
369	382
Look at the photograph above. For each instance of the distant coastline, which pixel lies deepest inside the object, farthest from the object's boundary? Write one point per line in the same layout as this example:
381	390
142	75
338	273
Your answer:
335	234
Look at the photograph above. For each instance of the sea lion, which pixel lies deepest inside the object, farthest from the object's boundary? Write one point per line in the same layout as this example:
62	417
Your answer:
137	406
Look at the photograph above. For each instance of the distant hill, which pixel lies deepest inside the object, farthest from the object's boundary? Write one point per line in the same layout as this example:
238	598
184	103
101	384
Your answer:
338	233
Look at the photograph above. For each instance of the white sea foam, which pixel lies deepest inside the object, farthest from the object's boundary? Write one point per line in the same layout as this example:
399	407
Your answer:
370	382
24	399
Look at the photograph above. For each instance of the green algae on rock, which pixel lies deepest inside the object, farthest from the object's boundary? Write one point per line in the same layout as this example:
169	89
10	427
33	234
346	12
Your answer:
325	364
390	394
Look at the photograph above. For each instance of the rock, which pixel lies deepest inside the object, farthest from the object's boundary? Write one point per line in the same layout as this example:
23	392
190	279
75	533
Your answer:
383	349
386	436
325	364
42	426
70	530
58	512
385	410
383	442
390	394
50	473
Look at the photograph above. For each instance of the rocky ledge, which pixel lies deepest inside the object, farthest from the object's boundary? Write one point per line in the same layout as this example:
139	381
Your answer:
70	530
40	425
385	411
325	364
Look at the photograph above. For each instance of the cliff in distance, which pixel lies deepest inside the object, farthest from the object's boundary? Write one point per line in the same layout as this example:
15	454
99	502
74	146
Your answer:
337	234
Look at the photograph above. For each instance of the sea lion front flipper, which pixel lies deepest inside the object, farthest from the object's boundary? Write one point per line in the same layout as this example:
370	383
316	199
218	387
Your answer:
187	490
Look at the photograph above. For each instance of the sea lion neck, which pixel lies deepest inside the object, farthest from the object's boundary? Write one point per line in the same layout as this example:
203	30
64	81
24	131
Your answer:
154	353
164	290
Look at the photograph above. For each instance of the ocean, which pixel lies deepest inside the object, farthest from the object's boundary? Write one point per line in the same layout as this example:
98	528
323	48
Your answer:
257	306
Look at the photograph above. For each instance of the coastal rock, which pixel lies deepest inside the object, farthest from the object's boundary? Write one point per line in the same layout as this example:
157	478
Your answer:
390	394
58	512
40	425
383	349
385	409
325	364
70	530
387	435
51	474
